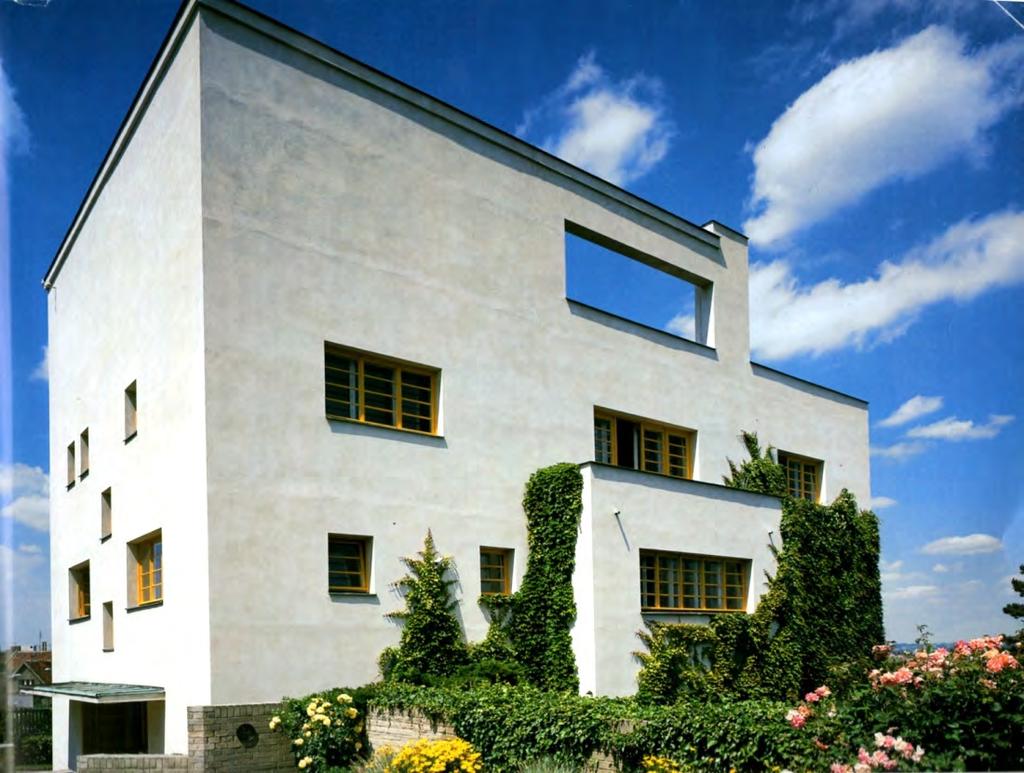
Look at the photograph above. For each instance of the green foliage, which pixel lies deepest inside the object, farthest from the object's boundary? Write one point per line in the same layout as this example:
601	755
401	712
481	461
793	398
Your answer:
759	473
326	747
432	643
33	750
541	613
1015	609
823	607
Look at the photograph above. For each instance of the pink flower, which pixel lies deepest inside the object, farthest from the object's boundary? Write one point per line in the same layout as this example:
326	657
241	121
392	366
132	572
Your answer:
988	683
796	718
823	691
838	767
863	757
900	676
962	648
862	767
881	651
918	754
812	697
1000	660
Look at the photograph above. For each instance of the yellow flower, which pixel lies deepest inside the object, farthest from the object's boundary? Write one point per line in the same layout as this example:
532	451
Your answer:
344	698
303	763
327	721
358	728
308	733
351	713
359	745
298	742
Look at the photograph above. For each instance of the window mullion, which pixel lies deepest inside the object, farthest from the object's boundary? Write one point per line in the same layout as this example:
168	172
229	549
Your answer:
398	397
362	389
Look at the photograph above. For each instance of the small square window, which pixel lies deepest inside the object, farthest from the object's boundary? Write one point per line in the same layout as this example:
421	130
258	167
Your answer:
803	476
130	412
146	570
348	563
80	606
108	626
495	571
83	453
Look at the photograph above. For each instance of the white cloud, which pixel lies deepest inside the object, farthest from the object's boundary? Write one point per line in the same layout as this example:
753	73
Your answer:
969	545
24	493
13	129
30	549
880	503
952	428
683	325
913	592
916	406
893	114
948	568
971	257
25	573
898	451
616	129
42	371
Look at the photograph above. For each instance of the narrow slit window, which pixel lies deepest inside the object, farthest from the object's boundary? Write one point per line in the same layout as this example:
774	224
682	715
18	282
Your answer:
108	626
376	390
106	514
71	465
348	564
83	453
130	411
626	283
682	583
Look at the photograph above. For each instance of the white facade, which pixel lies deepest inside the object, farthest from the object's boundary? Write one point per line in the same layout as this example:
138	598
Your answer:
268	195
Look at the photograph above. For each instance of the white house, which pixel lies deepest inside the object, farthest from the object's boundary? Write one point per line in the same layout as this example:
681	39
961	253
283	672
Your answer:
306	312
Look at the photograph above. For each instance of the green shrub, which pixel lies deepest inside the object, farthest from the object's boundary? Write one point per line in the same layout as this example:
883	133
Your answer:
432	644
34	750
328	729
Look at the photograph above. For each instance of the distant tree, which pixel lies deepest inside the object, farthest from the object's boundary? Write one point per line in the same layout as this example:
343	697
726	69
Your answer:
1015	609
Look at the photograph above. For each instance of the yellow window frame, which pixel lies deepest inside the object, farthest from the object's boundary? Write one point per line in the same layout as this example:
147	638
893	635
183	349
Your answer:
362	556
665	434
83	591
702	597
505	565
399	367
807	472
149	588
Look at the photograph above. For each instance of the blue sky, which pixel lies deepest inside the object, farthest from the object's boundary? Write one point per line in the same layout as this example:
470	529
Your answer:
871	149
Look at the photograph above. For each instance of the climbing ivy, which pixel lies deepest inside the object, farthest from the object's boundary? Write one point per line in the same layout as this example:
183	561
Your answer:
432	643
539	616
823	607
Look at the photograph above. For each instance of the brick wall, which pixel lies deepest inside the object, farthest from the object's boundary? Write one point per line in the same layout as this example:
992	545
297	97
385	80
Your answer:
132	763
214	745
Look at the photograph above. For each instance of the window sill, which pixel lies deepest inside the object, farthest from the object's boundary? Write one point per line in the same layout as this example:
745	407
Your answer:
148	605
384	426
677	612
83	475
129	438
71	485
75	620
104	538
358	593
108	650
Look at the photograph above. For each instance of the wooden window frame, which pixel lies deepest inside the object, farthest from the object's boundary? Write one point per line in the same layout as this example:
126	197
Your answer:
400	366
663	431
81	592
505	554
806	464
365	560
144	554
702	607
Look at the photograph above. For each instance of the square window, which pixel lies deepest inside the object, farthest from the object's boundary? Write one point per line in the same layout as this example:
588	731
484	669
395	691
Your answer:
679	582
803	476
348	563
80	606
495	571
377	390
146	570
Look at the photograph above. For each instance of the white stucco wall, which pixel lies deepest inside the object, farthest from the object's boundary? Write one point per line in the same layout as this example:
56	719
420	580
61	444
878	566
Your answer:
127	306
333	211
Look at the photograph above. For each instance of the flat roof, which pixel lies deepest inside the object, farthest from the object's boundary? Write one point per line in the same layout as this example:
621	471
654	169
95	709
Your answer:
332	57
99	692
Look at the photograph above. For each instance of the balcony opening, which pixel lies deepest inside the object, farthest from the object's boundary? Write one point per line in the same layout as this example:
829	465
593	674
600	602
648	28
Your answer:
618	280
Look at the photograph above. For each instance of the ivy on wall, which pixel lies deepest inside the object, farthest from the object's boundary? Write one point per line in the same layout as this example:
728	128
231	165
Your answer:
823	607
541	613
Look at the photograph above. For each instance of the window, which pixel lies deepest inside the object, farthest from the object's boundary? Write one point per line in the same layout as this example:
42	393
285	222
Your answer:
83	453
130	412
348	564
108	626
803	477
80	606
374	390
71	465
680	582
643	445
495	571
147	577
105	514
